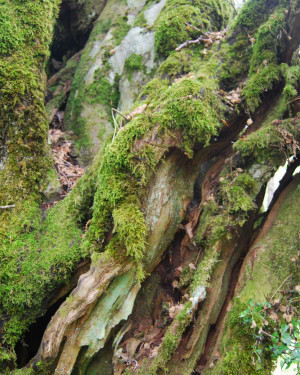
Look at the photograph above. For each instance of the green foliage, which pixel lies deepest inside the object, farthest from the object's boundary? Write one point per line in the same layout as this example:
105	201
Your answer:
239	358
272	335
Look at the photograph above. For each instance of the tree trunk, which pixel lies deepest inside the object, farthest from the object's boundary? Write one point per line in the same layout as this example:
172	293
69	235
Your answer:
162	258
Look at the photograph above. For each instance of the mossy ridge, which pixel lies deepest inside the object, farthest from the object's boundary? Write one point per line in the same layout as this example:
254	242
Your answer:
185	106
23	121
264	68
240	52
274	263
171	30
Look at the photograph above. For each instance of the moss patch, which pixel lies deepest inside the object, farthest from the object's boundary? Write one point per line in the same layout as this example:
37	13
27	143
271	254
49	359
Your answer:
23	124
171	30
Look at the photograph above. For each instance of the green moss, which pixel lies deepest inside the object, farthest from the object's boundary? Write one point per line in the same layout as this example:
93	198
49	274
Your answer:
205	268
153	88
23	124
131	229
251	41
101	91
103	26
272	142
140	20
120	28
125	171
291	76
258	84
33	250
175	65
169	345
188	105
171	30
134	63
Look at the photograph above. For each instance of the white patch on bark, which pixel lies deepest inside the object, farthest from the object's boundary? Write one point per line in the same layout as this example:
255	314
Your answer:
153	11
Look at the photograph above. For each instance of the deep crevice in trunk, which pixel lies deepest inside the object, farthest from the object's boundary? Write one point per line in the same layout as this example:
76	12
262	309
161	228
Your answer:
27	347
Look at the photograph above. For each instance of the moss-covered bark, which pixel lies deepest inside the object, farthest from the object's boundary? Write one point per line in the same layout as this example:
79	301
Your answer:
26	32
128	206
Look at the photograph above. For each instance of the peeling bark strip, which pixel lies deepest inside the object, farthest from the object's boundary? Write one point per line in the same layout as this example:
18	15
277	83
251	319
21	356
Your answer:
170	207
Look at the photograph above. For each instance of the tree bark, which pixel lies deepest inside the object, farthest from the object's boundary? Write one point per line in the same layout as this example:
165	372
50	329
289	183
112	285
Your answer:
168	217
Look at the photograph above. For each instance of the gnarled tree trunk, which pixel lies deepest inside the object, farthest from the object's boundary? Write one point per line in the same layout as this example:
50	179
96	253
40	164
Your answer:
148	264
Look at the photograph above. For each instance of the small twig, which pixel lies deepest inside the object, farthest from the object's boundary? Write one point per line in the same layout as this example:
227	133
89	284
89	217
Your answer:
188	42
117	126
8	206
68	163
63	175
73	175
294	100
119	113
280	286
265	333
196	28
